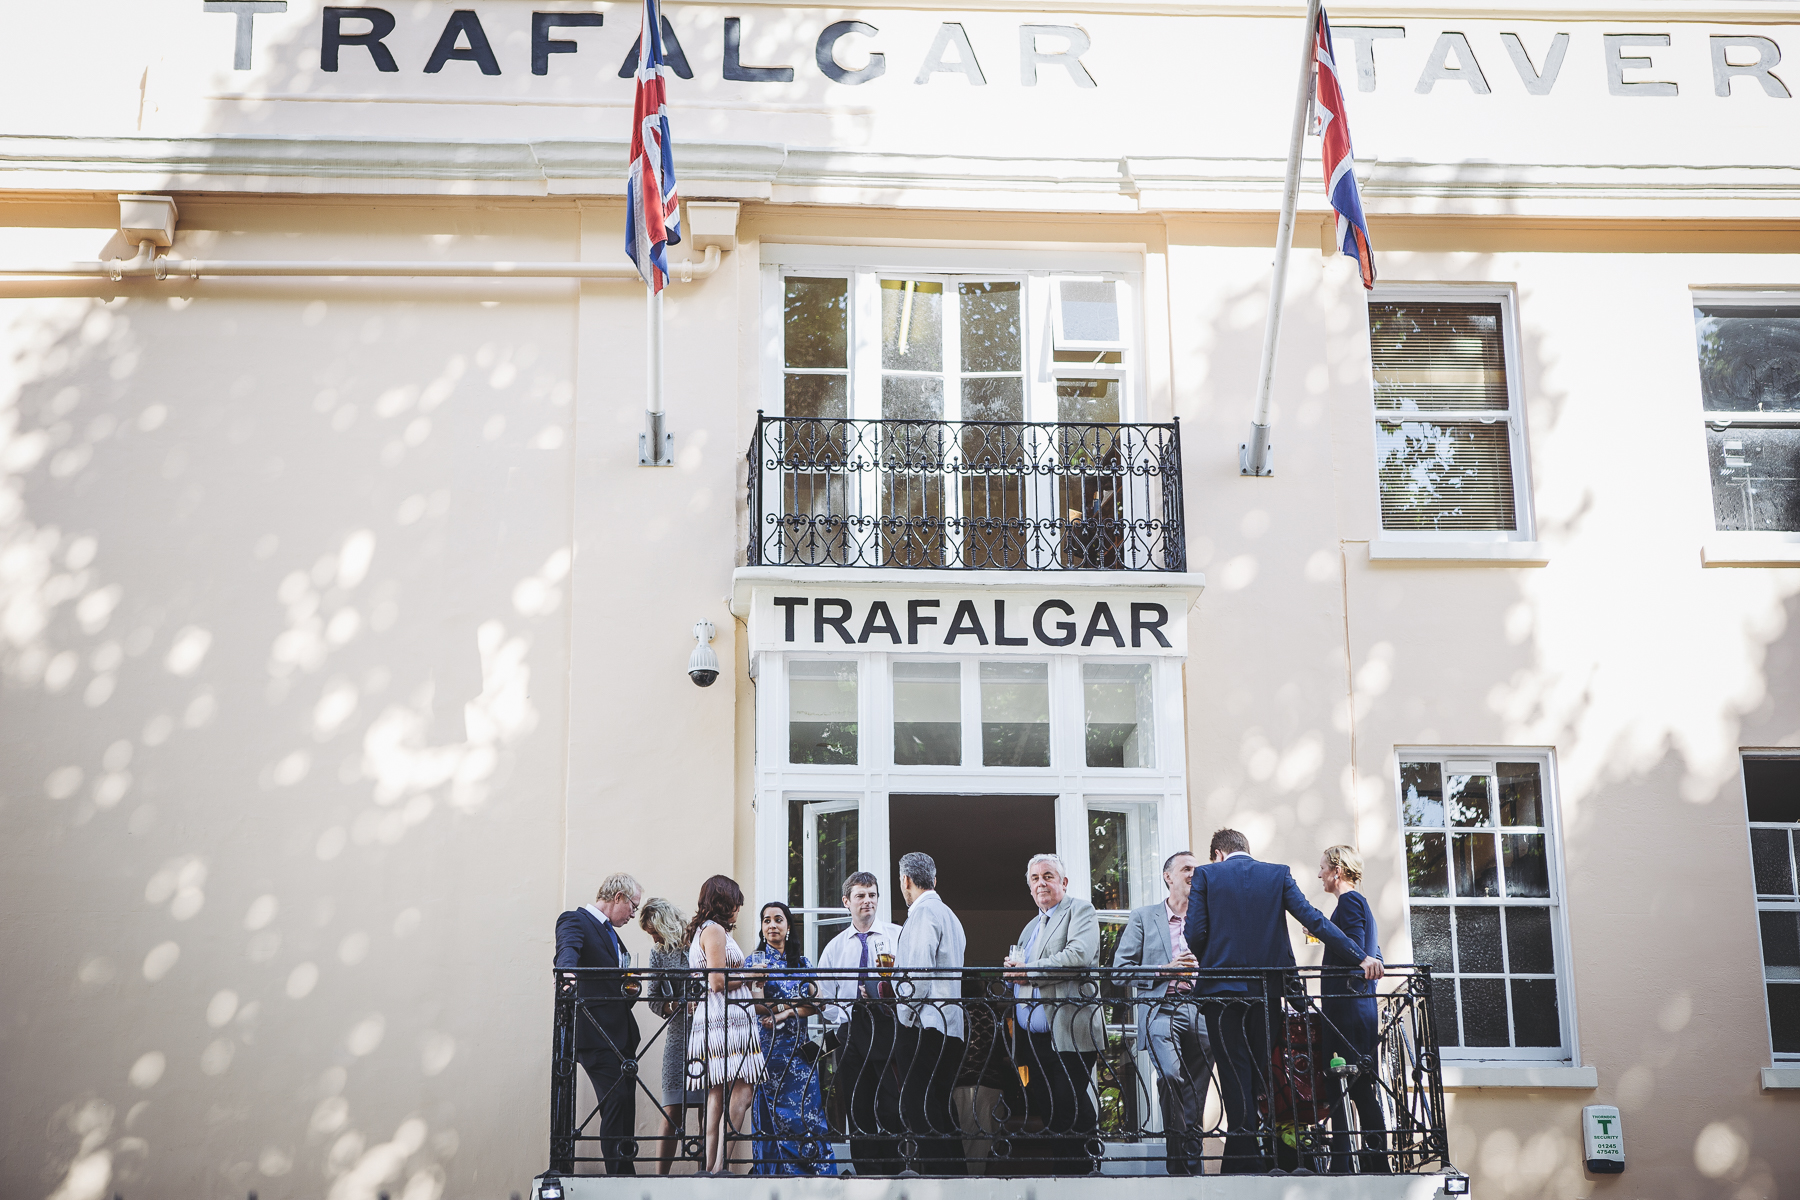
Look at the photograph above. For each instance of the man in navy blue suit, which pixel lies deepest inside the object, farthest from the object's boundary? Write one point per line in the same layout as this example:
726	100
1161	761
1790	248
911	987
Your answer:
1236	921
606	1034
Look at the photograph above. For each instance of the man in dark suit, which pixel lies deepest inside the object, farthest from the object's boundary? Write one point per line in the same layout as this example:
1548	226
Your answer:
606	1033
1236	921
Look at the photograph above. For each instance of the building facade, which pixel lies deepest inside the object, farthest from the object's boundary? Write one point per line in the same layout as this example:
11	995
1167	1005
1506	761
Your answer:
345	637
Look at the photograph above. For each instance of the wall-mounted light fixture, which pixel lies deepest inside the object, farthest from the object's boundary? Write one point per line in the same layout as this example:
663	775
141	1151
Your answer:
703	664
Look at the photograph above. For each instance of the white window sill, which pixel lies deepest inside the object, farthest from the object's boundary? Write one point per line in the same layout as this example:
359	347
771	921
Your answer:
1780	1078
1468	554
1458	1077
1752	550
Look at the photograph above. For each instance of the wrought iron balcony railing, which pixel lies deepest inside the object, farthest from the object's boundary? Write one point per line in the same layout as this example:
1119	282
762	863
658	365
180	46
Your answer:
970	495
952	1073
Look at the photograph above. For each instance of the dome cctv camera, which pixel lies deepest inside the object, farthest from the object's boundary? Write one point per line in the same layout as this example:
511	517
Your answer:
703	664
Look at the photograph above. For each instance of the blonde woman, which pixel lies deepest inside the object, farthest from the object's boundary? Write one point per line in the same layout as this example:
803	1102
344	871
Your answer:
1352	1023
667	927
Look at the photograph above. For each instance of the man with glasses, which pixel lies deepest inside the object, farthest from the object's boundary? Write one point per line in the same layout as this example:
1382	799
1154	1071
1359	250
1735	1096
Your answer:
606	1034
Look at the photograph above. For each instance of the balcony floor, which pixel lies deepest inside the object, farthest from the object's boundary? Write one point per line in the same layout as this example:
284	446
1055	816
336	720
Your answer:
1206	1187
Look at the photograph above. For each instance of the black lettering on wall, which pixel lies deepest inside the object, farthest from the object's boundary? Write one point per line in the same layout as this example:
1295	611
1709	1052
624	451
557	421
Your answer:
1065	630
820	620
825	54
543	45
885	625
914	620
790	603
332	35
1103	614
965	622
463	23
673	56
734	67
1138	623
1000	638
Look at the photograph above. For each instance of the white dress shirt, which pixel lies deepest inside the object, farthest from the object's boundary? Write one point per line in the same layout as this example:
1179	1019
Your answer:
844	953
932	939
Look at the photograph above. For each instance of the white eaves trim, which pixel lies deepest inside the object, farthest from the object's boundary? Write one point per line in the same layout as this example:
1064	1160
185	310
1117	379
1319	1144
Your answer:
1468	554
1559	1075
1751	550
1780	1078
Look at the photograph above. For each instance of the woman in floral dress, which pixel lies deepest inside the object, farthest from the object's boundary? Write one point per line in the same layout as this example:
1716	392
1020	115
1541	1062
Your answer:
788	1110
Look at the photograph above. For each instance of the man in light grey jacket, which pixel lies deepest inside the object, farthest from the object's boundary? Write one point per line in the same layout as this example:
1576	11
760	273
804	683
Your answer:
1058	1041
1168	1020
930	1046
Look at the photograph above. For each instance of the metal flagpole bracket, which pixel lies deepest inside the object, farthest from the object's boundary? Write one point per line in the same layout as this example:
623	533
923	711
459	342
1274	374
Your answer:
1256	456
655	438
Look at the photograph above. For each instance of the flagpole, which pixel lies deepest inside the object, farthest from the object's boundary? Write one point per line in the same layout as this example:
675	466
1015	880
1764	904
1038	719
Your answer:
655	454
1254	455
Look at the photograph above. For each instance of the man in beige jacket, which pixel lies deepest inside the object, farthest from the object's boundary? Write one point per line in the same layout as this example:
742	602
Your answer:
1061	1024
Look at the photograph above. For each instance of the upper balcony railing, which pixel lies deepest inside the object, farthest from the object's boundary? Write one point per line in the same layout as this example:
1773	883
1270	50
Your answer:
965	495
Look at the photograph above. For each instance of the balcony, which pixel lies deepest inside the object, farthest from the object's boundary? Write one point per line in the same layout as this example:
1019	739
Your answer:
965	495
997	1104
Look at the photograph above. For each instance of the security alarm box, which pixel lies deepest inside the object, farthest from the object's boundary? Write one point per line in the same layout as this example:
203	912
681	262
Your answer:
1605	1139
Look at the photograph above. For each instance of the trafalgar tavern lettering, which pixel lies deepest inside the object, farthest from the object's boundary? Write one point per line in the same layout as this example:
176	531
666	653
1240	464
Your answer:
968	623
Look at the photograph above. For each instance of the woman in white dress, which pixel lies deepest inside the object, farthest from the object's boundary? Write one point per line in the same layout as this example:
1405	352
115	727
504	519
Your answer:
723	1050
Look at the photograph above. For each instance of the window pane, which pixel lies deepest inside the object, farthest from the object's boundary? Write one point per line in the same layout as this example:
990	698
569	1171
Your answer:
1109	858
1528	941
1475	873
1769	855
1527	872
1772	788
1443	1011
1749	358
1431	938
822	712
824	396
1090	310
1437	356
1784	1017
1535	1019
1468	797
1756	478
1445	476
1015	714
1422	792
815	315
1780	944
835	862
1483	1011
1120	730
1478	940
990	327
993	399
912	398
927	714
1425	865
912	325
1520	800
1088	400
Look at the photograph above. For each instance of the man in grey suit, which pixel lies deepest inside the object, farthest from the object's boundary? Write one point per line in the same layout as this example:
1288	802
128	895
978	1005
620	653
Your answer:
1169	1022
1058	1042
929	1048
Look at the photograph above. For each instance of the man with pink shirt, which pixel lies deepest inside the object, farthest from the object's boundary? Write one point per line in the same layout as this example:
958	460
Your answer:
1169	1022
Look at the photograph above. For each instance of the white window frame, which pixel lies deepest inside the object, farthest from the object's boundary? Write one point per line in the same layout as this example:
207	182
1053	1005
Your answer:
1569	1052
1787	1058
1722	542
1524	512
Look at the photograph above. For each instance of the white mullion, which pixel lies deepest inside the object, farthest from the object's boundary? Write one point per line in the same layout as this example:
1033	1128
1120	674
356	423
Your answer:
969	677
1040	407
950	337
865	401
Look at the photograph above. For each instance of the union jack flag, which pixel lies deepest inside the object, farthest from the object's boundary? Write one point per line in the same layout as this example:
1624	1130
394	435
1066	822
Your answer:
1340	163
652	207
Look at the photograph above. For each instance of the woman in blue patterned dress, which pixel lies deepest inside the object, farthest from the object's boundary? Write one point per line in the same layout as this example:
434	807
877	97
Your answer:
788	1110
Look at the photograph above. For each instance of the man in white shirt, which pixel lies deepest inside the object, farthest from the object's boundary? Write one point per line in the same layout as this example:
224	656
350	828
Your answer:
863	1027
930	1045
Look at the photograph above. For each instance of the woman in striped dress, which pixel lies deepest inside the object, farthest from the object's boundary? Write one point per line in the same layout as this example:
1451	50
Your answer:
723	1050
